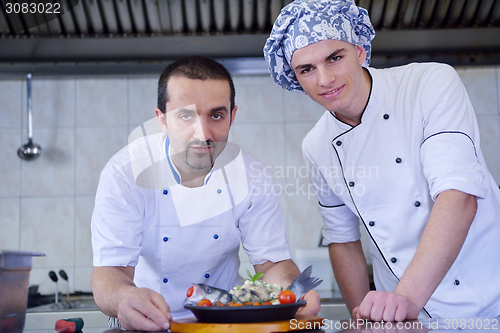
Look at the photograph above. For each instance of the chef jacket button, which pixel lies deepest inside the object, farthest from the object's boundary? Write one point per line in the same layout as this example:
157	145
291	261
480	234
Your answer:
371	223
386	116
338	143
393	260
417	203
165	280
165	192
216	236
219	191
165	239
351	184
456	282
399	160
207	276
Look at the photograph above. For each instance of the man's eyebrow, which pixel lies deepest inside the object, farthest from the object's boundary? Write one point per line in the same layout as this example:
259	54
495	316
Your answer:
219	108
332	55
184	110
302	66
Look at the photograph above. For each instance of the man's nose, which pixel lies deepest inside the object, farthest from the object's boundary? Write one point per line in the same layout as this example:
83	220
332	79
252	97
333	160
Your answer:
202	129
325	77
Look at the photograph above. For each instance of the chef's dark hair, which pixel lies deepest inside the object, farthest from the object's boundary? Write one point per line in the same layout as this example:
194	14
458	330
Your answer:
194	68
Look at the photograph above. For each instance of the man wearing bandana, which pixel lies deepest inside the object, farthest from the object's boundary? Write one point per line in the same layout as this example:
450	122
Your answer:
429	204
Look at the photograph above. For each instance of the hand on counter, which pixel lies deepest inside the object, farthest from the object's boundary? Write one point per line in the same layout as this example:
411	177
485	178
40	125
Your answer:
387	306
313	303
143	309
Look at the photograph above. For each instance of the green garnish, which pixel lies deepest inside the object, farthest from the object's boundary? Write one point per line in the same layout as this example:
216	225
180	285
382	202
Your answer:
255	277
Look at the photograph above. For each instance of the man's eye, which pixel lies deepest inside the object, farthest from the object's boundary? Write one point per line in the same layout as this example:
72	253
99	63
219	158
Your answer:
185	116
305	70
334	59
217	116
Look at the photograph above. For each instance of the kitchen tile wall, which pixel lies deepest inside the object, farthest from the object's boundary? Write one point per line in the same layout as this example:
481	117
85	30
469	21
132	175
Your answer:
80	122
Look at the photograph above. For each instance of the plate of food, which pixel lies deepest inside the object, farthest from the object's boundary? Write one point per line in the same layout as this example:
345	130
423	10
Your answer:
245	314
254	301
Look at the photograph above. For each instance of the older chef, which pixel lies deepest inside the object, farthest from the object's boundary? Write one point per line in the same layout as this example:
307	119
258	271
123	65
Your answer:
172	207
399	150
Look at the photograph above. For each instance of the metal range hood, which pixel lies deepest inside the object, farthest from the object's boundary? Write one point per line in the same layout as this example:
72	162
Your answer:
124	36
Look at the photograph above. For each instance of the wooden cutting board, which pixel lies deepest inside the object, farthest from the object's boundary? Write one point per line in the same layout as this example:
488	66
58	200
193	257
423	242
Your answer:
300	322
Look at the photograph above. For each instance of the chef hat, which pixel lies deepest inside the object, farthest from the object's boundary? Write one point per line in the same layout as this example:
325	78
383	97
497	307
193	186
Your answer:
305	22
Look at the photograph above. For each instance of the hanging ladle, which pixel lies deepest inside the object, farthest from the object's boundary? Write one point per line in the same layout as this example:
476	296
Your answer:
29	151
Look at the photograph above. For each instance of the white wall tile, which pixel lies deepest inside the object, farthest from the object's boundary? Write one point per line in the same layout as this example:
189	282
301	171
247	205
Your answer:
295	133
264	140
53	102
489	127
52	173
11	97
481	86
101	101
258	99
299	106
94	148
10	163
83	245
142	99
297	174
304	219
47	226
82	279
9	224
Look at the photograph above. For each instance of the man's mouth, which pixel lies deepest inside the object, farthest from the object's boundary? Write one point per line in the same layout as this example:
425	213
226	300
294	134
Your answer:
201	149
331	92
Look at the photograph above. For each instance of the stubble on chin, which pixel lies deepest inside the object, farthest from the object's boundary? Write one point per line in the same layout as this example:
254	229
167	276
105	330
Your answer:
199	161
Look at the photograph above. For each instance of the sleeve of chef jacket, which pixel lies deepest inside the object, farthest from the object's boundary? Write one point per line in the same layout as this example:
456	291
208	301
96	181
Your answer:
116	221
450	150
341	225
262	227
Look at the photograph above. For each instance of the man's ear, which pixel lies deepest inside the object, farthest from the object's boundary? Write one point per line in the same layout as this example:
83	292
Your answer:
160	116
361	54
233	114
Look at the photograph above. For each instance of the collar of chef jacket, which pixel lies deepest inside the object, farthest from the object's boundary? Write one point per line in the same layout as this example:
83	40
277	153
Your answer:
224	187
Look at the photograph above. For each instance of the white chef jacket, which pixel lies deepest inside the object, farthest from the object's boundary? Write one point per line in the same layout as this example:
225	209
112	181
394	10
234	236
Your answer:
136	221
418	136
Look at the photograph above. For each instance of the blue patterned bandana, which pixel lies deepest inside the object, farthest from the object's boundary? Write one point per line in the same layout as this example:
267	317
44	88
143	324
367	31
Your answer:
304	22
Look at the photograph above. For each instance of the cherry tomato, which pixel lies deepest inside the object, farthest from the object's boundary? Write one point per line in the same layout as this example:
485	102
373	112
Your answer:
267	303
287	296
236	304
205	302
190	291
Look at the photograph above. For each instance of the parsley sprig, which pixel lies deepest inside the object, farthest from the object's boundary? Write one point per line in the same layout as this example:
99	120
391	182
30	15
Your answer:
255	277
